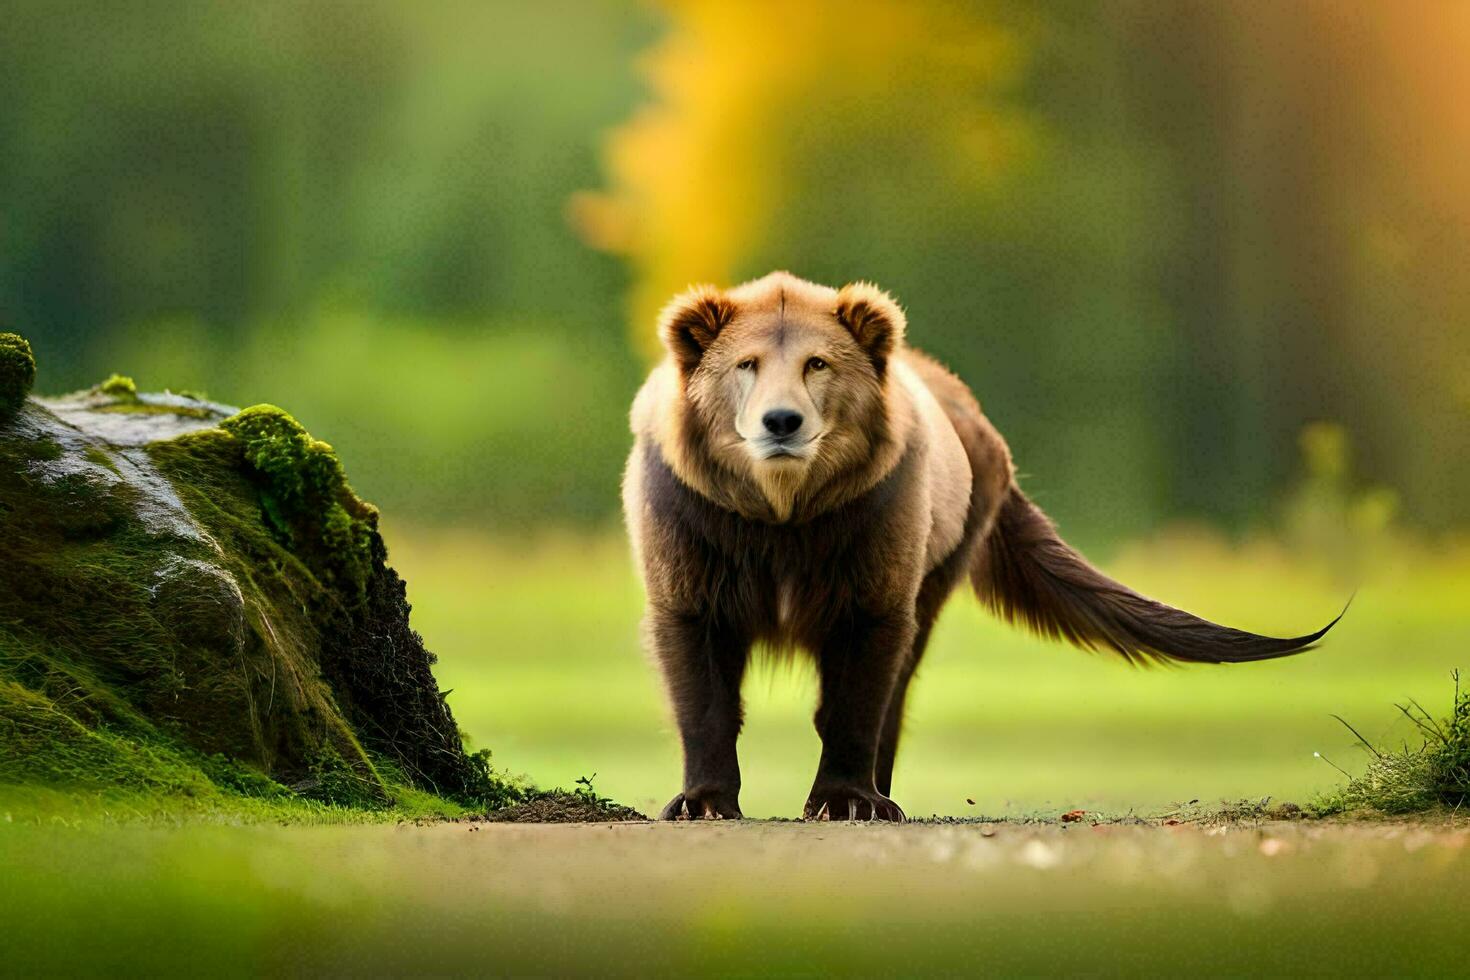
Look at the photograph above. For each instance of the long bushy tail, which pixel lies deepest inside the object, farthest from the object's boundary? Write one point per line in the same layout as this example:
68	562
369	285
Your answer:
1029	575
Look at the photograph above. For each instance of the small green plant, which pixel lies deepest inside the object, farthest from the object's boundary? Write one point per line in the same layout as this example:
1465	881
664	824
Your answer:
1412	779
17	372
491	789
601	807
119	386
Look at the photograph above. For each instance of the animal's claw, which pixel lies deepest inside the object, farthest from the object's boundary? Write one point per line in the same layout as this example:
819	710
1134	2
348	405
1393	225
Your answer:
702	805
862	805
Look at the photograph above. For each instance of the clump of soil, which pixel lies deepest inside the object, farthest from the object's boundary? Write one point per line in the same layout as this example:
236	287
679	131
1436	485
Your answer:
562	807
192	598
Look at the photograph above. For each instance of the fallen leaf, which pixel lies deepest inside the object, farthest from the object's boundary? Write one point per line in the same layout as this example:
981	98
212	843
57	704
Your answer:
1072	816
969	801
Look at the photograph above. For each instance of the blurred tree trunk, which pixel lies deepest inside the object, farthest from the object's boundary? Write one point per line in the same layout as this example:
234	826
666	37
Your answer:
1257	284
1180	96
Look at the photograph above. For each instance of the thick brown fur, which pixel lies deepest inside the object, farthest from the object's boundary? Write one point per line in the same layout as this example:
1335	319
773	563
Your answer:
801	478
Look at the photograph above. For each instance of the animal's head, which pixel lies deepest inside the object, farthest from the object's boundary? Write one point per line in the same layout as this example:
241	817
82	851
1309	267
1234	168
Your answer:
783	379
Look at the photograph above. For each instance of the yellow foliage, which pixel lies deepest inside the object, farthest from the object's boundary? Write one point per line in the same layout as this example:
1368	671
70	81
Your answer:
749	97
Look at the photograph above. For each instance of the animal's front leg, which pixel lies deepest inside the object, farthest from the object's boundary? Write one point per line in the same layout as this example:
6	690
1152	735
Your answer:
893	720
860	663
703	664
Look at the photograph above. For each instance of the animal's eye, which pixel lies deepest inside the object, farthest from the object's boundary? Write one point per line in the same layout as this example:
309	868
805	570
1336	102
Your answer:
746	365
816	364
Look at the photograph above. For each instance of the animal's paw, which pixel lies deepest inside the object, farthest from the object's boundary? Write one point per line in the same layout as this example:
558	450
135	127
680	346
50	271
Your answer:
702	804
850	802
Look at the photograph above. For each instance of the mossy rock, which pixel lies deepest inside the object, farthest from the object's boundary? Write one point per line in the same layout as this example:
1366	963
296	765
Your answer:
183	581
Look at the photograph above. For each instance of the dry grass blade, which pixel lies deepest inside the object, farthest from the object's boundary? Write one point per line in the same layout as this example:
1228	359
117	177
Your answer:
1359	736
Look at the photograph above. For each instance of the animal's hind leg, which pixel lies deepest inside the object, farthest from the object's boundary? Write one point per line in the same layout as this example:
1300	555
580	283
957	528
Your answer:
893	720
703	664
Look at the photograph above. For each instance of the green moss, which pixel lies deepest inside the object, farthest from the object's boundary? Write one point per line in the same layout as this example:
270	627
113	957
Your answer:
234	777
53	766
45	450
75	615
41	743
335	780
17	372
93	455
119	386
305	495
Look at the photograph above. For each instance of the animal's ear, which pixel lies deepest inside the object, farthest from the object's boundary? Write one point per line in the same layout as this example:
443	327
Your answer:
873	319
691	322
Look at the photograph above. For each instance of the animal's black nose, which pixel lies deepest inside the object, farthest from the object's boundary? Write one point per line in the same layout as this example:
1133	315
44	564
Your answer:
781	422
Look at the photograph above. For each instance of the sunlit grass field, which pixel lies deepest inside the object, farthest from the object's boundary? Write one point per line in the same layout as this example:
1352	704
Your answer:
539	642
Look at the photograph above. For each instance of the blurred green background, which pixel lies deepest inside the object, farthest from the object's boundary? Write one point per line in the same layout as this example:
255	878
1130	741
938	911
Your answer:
1204	263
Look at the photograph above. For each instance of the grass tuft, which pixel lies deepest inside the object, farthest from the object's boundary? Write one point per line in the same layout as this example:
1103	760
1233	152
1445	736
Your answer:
1434	775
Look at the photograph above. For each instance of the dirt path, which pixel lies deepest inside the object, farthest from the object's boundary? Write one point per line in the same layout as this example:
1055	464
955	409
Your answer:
740	898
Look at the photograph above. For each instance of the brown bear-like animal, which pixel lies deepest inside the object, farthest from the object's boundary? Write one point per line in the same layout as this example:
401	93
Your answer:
802	478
